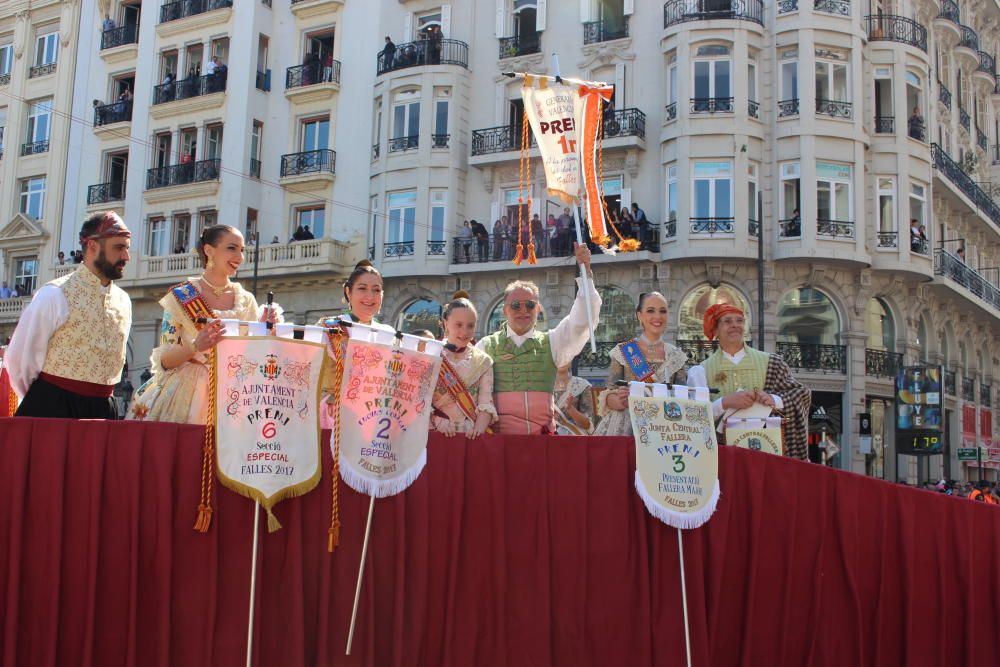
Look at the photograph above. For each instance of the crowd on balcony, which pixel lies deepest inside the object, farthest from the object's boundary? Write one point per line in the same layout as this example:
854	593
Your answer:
426	50
918	237
113	112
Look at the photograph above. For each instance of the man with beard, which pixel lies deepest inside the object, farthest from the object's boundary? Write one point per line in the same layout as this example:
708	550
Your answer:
68	350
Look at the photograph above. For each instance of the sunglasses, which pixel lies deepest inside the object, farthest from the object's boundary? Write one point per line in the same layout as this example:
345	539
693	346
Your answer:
528	305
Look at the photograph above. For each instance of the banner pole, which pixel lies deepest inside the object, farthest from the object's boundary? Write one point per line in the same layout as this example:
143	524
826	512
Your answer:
361	572
253	580
684	596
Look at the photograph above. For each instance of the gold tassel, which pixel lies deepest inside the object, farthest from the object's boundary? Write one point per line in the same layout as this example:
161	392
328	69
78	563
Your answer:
272	522
333	538
339	345
531	254
204	519
519	255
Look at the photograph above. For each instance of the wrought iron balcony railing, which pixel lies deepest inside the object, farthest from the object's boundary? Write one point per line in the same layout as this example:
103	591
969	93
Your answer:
309	162
440	140
753	227
788	108
173	11
599	359
116	112
376	151
995	152
501	248
950	266
312	73
520	45
835	108
814	357
624	123
882	363
183	174
126	34
595	32
944	95
970	39
255	168
964	118
891	28
711	105
103	193
950	382
712	225
670	229
885	125
41	70
839	7
682	11
920	246
498	139
786	6
915	129
950	11
887	239
187	88
396	250
398	144
35	147
424	52
987	64
671	111
981	140
790	228
954	173
437	248
968	390
835	228
753	109
5	79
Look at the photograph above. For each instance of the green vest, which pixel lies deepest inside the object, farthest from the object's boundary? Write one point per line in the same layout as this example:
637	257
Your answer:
729	378
526	368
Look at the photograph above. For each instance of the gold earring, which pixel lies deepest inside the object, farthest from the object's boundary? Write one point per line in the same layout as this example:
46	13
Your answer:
210	264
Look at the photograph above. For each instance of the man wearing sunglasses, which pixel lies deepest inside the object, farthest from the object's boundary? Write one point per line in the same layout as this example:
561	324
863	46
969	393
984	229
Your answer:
525	360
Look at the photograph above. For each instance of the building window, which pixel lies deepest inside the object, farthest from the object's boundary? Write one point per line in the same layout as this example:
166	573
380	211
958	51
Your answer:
39	121
617	321
405	121
752	103
884	115
440	138
182	233
833	193
752	209
833	97
33	197
312	220
672	202
916	125
692	312
6	59
315	134
790	224
881	328
886	212
806	316
421	314
207	218
47	49
213	142
256	136
26	274
712	80
672	87
439	210
157	237
918	204
251	227
402	217
712	197
788	105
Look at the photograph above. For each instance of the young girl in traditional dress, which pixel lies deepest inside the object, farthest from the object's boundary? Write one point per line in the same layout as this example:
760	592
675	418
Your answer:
647	358
574	404
463	398
178	390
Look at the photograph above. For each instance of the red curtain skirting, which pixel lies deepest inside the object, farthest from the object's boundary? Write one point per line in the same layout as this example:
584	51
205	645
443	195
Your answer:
507	551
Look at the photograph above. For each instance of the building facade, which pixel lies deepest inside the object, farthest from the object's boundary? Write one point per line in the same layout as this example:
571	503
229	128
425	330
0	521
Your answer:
854	145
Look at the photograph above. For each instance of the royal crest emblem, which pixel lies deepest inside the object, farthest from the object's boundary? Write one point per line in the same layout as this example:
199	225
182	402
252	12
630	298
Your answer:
395	364
270	368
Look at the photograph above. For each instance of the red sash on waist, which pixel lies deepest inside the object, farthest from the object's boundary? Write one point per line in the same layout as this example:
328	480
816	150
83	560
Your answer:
78	386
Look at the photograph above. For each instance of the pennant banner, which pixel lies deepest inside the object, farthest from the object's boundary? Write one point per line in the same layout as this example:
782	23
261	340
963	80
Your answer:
589	116
756	435
551	111
676	457
385	408
267	417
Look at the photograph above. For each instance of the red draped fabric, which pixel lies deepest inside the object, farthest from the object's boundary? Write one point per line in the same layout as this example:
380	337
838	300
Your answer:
506	551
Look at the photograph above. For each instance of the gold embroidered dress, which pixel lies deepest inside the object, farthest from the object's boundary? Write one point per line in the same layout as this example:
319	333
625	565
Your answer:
475	368
180	394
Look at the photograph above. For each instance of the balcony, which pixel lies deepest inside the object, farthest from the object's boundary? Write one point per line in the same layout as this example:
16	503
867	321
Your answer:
502	249
397	250
881	363
700	105
944	95
122	36
967	49
953	172
174	11
41	70
201	178
34	148
424	52
968	390
499	140
885	125
440	140
986	73
520	45
186	95
834	229
835	109
400	144
683	11
838	7
887	239
753	109
813	357
790	228
891	28
595	32
312	82
753	228
109	114
103	193
11	309
949	383
697	350
949	13
788	6
437	248
712	226
953	268
670	113
981	140
309	166
600	359
788	108
964	119
376	152
624	123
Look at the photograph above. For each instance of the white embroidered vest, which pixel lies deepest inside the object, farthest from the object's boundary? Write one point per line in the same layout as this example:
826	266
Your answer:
90	346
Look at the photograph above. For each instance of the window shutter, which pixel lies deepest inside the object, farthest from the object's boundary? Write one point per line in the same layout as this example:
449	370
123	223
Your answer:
500	27
626	200
408	27
446	21
620	86
584	11
629	7
540	15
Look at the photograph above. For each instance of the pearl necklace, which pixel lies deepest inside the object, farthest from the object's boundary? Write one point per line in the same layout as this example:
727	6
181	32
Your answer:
217	291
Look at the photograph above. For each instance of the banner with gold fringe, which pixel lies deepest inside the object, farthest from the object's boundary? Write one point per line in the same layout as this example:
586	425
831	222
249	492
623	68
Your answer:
267	430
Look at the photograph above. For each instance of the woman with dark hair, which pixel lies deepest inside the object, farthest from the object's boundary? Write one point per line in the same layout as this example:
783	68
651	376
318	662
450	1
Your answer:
178	390
647	358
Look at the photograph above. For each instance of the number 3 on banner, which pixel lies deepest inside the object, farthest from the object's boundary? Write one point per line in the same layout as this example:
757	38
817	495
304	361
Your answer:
383	433
679	465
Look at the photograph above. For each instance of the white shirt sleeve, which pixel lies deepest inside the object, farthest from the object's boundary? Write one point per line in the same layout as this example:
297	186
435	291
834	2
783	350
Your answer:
571	334
25	356
697	378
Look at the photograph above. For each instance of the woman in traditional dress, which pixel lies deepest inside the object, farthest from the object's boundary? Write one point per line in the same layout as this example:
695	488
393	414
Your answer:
463	398
647	358
178	390
574	404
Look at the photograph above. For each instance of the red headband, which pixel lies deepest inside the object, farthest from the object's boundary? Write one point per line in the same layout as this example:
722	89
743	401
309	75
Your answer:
109	226
714	313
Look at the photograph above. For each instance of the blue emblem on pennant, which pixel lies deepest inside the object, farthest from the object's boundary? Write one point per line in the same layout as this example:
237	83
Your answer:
185	292
636	360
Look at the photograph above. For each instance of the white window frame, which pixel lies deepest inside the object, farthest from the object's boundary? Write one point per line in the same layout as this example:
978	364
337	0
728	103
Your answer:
790	171
20	276
401	215
834	185
158	236
918	195
438	215
38	110
885	187
671	193
32	197
753	189
713	61
441	101
6	59
789	75
713	188
47	49
307	215
304	125
256	139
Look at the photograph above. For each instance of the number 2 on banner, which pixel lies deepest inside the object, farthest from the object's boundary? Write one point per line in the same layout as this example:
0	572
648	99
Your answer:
383	433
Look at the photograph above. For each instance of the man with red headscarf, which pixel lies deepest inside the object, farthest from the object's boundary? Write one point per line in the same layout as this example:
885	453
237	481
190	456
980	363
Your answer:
68	350
746	376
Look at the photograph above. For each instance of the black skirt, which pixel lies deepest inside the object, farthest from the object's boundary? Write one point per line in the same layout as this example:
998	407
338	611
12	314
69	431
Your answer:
45	399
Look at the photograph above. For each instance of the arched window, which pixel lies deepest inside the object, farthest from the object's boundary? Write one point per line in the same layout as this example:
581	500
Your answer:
880	327
693	306
497	319
421	314
807	316
617	321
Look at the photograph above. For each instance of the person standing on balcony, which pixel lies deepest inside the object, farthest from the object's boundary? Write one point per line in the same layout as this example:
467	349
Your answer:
915	125
499	230
482	240
746	376
306	234
178	389
328	67
6	292
68	350
108	24
465	236
525	360
388	53
647	358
